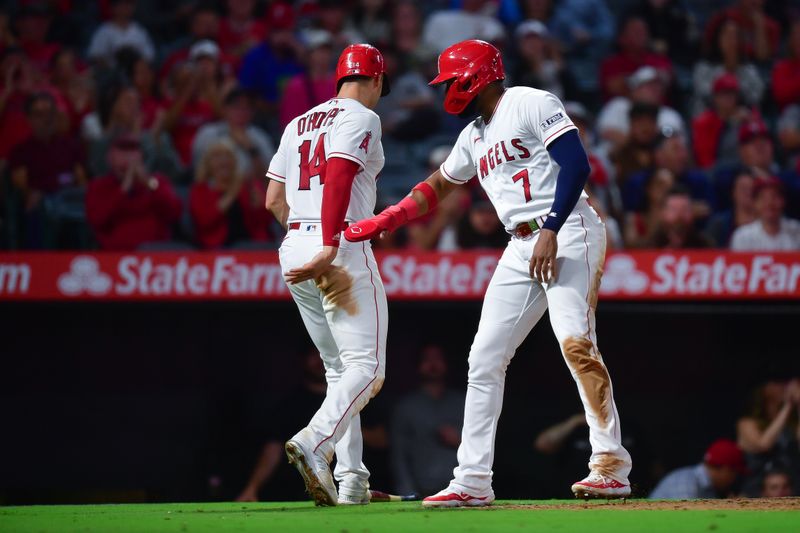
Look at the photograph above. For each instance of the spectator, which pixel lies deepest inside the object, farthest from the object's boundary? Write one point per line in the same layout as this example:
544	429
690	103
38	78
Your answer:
408	113
437	229
646	86
722	225
756	150
426	429
761	35
541	10
672	154
724	55
253	148
538	65
7	37
19	80
33	25
121	31
269	65
672	28
776	484
74	85
582	24
771	231
715	477
636	154
446	27
786	73
317	84
240	31
769	433
407	29
371	20
142	76
225	206
677	228
332	17
129	206
41	166
203	26
634	52
120	113
714	131
198	92
642	223
480	228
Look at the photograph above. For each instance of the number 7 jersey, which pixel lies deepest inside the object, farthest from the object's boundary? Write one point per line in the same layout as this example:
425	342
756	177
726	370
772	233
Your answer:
509	154
340	127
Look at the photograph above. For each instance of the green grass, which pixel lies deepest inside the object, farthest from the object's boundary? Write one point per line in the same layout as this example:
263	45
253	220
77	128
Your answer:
395	517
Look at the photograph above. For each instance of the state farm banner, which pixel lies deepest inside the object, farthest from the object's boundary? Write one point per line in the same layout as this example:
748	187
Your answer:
177	276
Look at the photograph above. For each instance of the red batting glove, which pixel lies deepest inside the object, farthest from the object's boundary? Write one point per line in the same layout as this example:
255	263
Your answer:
389	219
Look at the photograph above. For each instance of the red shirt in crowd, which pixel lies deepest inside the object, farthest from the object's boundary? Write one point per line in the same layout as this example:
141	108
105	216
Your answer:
625	65
707	128
196	114
230	39
302	93
213	228
786	82
125	220
51	164
14	127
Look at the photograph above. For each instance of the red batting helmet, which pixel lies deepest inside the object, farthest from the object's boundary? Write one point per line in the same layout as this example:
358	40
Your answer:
471	65
361	60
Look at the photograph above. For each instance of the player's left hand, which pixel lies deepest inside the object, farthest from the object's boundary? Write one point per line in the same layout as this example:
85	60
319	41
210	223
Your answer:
543	261
314	268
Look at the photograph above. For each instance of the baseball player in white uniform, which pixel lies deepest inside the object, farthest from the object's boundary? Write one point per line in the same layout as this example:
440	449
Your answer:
525	152
323	177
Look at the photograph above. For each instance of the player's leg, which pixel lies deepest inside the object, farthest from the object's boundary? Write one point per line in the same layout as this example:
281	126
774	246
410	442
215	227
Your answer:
512	306
311	463
572	299
356	312
350	471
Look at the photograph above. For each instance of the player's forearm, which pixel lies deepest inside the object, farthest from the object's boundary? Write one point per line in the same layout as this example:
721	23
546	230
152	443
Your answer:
570	155
276	202
267	462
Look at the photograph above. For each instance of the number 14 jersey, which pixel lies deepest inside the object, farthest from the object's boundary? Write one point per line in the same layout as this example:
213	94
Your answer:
340	127
509	154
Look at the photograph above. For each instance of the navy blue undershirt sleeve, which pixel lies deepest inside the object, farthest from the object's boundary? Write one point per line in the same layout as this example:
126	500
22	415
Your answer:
568	152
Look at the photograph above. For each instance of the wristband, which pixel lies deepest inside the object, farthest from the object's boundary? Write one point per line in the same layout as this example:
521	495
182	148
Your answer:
430	195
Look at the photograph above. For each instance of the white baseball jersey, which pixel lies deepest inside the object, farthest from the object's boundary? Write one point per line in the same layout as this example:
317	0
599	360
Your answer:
509	154
340	127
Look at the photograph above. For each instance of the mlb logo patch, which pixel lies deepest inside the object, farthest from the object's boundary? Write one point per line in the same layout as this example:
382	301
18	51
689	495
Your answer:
311	227
546	124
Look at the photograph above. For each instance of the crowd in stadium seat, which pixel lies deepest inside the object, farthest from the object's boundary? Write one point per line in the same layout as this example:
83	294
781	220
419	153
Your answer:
690	112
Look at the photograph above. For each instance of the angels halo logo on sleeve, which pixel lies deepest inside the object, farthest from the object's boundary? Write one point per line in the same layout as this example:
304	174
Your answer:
365	142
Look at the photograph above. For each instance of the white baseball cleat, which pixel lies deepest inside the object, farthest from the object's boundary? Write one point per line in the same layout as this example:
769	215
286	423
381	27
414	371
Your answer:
315	470
598	486
451	497
346	499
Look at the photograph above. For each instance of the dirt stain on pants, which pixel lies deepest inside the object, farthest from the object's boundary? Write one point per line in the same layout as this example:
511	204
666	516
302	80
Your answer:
592	374
336	285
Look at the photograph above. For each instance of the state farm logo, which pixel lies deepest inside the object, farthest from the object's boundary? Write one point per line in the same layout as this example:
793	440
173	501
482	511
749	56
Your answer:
622	275
84	276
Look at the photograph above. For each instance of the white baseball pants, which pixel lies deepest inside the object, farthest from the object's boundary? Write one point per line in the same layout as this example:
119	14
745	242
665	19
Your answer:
513	304
349	330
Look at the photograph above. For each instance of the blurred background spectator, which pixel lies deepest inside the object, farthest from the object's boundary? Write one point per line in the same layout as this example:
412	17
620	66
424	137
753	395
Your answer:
426	428
768	432
227	206
716	477
742	211
130	206
776	484
316	84
771	231
473	19
677	223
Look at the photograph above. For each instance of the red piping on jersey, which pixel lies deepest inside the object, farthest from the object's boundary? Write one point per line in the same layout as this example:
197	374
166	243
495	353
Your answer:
559	131
276	175
323	441
377	314
446	173
347	156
